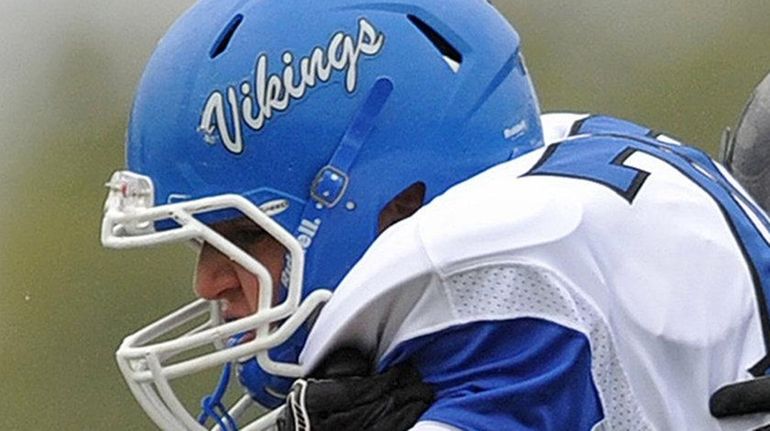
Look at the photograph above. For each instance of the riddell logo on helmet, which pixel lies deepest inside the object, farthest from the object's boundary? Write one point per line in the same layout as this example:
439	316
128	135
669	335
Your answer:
305	234
269	93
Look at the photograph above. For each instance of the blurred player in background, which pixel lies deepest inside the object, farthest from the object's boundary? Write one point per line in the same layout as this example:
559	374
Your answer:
492	269
746	151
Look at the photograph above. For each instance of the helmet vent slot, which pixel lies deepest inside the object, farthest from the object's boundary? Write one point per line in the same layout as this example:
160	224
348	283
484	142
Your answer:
450	54
224	38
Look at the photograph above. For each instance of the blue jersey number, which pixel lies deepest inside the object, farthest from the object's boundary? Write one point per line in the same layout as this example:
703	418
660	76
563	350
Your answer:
600	159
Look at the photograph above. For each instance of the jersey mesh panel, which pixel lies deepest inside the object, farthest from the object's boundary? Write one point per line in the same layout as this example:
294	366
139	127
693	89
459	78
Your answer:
518	291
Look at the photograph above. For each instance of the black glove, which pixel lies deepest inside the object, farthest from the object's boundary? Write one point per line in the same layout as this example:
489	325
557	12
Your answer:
343	396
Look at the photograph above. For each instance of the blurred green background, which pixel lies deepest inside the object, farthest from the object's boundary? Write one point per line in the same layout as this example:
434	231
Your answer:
67	72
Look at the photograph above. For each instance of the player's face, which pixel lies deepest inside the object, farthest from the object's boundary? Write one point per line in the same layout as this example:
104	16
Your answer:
219	278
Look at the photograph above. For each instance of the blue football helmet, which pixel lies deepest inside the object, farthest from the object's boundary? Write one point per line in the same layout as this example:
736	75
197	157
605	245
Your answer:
307	117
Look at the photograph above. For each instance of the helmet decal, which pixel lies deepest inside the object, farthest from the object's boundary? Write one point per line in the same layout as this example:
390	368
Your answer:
271	92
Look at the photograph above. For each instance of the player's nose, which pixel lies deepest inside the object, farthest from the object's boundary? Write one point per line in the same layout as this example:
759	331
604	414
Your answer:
215	274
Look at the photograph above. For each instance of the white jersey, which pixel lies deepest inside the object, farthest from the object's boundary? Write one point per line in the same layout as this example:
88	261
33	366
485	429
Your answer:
606	281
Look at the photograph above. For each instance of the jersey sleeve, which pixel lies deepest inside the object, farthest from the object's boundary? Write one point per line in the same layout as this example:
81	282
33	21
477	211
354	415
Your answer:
519	374
518	348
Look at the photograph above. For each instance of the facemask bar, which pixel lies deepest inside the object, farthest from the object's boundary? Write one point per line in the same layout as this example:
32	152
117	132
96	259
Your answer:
162	406
129	222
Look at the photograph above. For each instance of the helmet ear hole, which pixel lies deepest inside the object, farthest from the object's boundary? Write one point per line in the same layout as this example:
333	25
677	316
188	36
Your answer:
406	203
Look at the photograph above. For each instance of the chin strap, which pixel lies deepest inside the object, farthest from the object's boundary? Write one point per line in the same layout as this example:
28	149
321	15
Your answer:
331	181
211	405
266	389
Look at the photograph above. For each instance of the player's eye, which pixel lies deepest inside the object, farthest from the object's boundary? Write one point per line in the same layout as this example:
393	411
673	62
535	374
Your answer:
247	237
